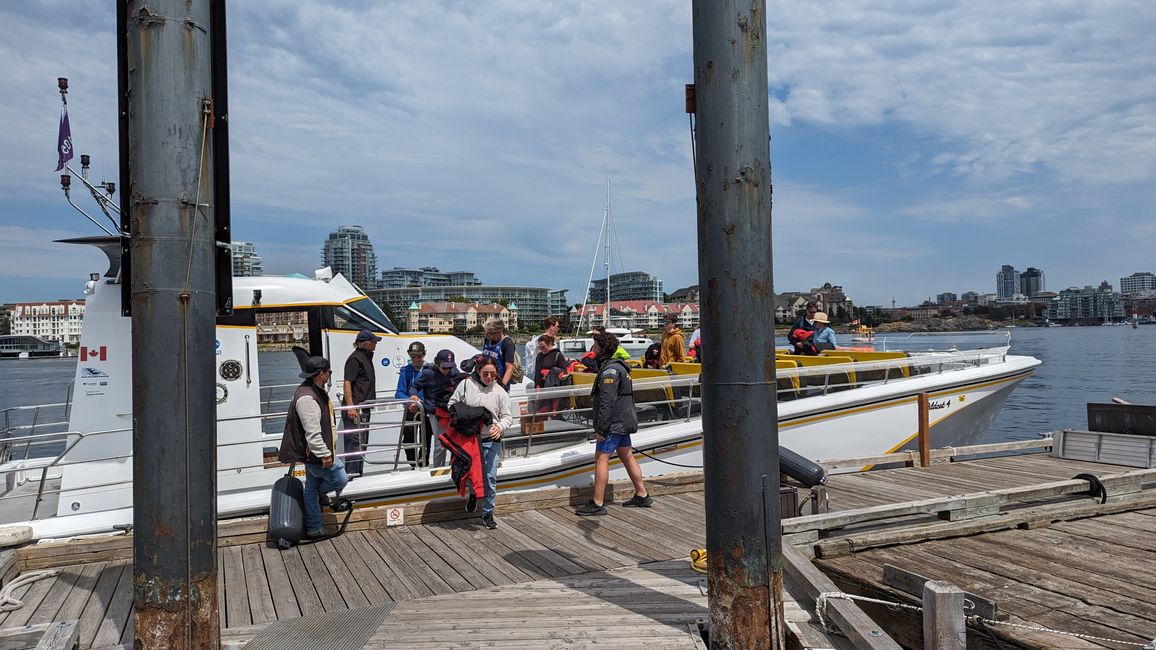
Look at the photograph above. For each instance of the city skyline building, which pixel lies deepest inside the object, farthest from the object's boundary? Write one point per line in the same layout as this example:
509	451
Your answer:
631	285
1032	282
1087	304
1007	282
426	276
246	261
1138	283
533	302
349	252
59	320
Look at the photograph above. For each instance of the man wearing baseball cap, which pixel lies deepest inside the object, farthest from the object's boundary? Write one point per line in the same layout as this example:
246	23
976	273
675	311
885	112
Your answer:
433	389
359	387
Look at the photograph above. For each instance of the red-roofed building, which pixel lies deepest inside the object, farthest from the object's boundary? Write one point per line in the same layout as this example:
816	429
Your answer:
446	316
636	314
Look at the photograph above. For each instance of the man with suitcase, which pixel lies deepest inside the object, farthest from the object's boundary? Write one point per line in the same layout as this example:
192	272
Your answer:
308	439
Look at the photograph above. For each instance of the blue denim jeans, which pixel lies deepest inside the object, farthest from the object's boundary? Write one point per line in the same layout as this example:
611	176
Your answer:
491	454
321	480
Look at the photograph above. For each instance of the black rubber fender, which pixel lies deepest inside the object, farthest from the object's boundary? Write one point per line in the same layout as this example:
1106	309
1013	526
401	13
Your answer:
1097	488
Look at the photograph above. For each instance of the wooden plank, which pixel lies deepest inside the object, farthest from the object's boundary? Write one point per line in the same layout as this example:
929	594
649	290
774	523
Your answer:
365	577
319	576
912	583
56	596
77	599
1003	520
607	556
461	559
396	588
852	622
280	586
236	605
116	617
937	454
347	584
533	549
607	535
487	561
9	566
414	556
261	607
308	600
406	563
129	633
61	635
102	594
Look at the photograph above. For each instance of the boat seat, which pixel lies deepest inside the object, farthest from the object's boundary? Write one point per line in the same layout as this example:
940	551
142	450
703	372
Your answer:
836	380
650	389
684	368
873	355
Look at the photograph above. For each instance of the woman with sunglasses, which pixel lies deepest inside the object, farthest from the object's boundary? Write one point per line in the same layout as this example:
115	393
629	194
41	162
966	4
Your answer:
483	390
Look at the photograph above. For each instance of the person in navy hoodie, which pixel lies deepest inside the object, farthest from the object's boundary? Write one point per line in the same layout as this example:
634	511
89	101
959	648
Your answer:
432	389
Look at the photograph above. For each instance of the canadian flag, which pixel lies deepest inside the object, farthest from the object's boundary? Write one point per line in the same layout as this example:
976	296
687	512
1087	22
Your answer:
100	353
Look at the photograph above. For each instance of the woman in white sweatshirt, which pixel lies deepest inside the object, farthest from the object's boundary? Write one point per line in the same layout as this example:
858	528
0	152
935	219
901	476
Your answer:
481	389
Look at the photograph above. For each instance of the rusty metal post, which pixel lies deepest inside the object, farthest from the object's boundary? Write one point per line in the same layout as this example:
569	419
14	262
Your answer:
167	52
924	431
740	431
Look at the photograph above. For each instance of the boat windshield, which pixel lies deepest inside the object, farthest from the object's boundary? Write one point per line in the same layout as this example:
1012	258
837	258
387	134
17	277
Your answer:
363	313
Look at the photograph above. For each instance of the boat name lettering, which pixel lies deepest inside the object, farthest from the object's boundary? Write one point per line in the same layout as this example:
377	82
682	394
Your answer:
939	404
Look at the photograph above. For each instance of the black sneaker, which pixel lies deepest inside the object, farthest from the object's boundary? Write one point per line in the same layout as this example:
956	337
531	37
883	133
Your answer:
638	502
488	520
314	534
472	503
590	509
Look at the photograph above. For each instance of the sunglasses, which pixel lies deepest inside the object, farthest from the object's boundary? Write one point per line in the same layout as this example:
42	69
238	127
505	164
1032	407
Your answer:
489	374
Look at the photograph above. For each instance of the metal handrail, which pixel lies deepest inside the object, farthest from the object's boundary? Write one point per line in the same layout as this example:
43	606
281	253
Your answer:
935	362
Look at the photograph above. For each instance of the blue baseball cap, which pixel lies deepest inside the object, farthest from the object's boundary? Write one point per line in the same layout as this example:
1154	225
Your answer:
366	335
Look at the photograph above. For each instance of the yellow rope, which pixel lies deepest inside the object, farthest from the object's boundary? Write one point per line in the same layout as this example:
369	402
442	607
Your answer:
698	560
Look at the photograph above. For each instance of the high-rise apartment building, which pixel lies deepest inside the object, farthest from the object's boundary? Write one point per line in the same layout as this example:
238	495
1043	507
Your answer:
54	321
349	252
1007	282
246	261
634	285
945	298
1032	281
426	276
1138	283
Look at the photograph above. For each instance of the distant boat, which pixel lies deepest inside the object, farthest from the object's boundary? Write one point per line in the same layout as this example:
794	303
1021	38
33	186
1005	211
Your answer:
23	346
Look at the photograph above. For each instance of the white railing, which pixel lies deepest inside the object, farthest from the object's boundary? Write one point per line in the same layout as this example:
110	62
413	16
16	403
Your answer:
544	419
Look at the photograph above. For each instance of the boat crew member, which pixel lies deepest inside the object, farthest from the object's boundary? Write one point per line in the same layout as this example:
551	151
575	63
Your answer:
673	348
433	388
550	325
824	337
415	425
806	323
501	349
359	387
308	439
481	389
614	421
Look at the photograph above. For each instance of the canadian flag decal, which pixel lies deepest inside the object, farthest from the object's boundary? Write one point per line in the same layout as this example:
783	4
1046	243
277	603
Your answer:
100	353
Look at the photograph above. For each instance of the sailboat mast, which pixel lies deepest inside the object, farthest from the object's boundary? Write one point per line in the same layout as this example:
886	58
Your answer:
606	262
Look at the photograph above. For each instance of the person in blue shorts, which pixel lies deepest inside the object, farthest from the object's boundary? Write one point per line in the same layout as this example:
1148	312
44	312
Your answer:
614	421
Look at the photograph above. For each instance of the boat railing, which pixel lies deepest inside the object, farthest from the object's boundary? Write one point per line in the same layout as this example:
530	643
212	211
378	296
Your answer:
545	419
22	421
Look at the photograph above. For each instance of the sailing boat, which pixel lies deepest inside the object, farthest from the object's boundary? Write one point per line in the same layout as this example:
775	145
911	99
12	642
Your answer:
629	339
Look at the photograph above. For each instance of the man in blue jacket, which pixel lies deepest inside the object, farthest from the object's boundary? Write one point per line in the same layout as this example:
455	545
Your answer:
414	421
432	389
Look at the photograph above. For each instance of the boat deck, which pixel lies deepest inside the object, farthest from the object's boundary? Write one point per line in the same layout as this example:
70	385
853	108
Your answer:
547	578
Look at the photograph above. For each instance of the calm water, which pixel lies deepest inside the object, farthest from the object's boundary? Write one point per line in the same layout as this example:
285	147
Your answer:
1080	365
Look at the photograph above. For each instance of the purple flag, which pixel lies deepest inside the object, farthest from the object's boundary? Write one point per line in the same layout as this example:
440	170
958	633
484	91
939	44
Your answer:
64	139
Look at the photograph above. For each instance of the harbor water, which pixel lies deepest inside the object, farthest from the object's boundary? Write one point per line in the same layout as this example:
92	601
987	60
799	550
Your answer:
1080	365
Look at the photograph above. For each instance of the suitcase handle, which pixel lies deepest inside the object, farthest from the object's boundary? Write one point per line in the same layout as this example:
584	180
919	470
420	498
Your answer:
291	468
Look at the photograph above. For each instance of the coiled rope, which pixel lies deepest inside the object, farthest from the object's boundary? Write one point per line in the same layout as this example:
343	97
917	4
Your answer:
698	560
8	600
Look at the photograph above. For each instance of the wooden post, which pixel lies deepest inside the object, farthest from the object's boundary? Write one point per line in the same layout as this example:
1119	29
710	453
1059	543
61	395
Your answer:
944	626
924	431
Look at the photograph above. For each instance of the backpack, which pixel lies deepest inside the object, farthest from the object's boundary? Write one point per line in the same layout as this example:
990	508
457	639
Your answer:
517	376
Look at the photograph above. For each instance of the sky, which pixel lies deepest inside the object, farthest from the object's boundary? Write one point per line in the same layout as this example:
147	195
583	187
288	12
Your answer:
916	146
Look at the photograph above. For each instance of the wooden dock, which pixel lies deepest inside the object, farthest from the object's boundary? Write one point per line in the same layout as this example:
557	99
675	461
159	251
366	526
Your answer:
547	578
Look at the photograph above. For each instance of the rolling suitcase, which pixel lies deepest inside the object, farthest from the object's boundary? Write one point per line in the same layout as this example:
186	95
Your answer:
286	514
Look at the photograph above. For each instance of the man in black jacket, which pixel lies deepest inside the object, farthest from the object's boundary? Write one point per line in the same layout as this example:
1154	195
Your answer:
805	323
614	421
360	386
432	389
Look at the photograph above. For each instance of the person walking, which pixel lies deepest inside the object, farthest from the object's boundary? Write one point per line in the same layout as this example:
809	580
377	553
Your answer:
415	426
673	348
359	387
501	349
433	389
481	389
796	336
550	326
308	439
614	421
